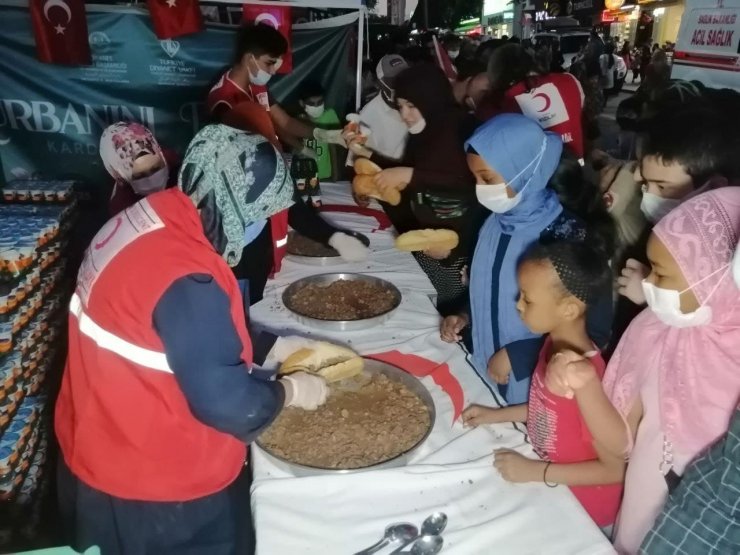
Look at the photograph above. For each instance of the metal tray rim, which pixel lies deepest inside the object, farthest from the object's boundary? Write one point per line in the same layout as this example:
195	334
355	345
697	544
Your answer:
397	374
341	325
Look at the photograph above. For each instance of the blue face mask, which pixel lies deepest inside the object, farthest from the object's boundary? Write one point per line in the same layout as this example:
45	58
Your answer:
253	230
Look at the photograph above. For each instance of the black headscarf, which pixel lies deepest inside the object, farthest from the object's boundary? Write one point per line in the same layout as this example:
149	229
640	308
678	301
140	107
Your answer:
427	87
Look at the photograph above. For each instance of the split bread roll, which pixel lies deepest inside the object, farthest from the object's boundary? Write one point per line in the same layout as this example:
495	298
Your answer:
364	183
427	239
365	166
331	362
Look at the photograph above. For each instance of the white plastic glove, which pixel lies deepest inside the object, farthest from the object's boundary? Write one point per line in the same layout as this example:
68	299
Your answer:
333	136
308	152
349	248
630	282
304	391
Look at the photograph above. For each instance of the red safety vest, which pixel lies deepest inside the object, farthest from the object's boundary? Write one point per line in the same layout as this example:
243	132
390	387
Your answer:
123	423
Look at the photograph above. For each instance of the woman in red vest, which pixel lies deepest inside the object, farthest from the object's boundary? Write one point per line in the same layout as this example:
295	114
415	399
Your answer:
136	162
158	399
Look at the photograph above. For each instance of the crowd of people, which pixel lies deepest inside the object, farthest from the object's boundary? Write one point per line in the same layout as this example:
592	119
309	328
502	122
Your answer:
600	297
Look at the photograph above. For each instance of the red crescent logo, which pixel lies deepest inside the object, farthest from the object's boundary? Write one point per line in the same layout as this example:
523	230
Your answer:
105	241
547	101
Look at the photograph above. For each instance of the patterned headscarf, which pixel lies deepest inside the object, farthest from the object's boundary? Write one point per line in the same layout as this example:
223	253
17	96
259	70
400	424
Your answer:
235	179
121	144
698	379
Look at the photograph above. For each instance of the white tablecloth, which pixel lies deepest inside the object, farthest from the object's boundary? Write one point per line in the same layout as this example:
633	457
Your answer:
385	262
452	472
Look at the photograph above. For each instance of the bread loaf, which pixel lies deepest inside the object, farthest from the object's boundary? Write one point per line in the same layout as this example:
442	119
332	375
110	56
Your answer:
427	239
331	362
364	183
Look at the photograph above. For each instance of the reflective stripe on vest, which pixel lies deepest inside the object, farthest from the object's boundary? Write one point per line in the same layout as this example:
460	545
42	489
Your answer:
280	243
106	340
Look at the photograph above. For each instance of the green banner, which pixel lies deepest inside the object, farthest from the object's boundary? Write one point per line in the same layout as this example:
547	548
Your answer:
51	117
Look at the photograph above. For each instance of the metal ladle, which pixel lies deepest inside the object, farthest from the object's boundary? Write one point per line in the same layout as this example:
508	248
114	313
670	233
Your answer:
433	525
402	531
427	545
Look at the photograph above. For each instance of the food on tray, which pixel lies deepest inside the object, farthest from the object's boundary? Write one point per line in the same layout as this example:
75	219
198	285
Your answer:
360	425
343	300
364	183
427	239
331	362
303	246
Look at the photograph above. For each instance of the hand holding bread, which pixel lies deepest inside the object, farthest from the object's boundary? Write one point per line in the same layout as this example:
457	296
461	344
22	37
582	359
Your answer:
363	185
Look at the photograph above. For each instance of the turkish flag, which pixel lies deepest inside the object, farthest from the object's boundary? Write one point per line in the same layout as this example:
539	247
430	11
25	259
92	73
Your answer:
174	18
60	28
443	60
278	17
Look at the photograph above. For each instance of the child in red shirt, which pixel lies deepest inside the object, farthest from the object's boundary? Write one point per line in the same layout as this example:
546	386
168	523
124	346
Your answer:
556	283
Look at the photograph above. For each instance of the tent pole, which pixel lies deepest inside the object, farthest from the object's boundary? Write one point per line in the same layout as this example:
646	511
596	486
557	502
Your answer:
360	39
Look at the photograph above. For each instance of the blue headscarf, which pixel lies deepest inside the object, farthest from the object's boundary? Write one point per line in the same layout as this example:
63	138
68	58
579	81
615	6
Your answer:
526	156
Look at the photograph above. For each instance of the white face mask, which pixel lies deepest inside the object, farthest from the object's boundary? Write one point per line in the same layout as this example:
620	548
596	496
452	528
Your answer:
495	198
453	54
666	304
151	183
314	111
418	127
262	77
654	207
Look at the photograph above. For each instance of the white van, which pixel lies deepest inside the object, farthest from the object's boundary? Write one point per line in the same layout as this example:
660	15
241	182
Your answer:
708	45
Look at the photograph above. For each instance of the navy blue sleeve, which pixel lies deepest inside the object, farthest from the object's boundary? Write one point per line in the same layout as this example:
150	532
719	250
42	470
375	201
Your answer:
193	319
306	221
523	356
600	318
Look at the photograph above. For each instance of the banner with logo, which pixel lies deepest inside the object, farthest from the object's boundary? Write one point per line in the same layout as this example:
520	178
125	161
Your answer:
51	117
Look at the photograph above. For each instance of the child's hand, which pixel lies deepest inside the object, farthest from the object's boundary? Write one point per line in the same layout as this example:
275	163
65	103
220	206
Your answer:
475	415
499	367
515	467
567	372
630	282
451	328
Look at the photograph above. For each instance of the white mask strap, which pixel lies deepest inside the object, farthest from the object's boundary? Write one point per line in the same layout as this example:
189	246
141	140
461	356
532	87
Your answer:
726	268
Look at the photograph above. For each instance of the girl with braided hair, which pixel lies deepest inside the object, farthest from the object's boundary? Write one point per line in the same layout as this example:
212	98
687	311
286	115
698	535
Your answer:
557	282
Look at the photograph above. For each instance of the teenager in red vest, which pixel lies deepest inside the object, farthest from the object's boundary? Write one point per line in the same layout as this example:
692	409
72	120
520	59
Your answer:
553	100
259	54
241	99
158	399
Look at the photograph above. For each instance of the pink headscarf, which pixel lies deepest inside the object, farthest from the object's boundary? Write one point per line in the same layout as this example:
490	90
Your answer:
121	143
699	367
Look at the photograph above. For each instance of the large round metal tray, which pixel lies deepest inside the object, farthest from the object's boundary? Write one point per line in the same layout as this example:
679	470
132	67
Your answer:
340	325
395	374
